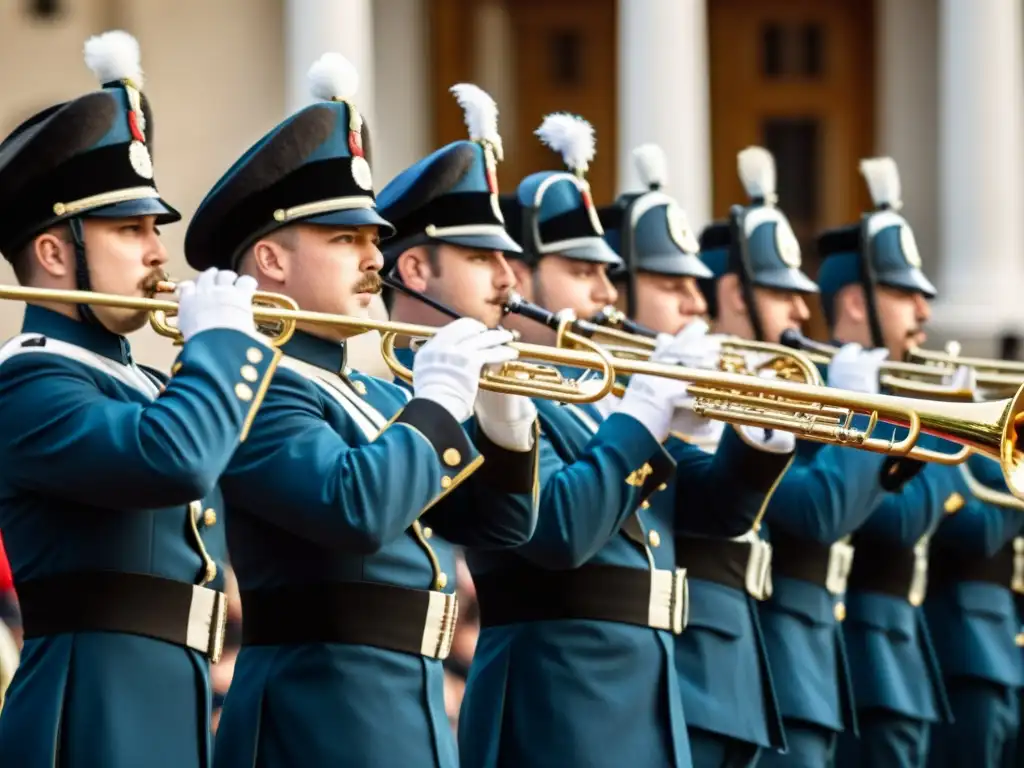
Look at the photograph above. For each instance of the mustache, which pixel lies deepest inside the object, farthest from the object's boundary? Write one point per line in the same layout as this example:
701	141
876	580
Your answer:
371	283
152	284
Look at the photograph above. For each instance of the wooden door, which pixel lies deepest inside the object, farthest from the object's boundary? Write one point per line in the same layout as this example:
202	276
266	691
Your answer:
795	76
563	60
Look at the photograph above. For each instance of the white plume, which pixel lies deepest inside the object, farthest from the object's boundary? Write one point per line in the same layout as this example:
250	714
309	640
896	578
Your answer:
883	179
652	165
114	56
757	172
570	136
332	77
480	112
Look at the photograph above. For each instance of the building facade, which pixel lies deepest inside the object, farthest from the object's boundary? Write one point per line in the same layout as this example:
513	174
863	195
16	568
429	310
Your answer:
937	84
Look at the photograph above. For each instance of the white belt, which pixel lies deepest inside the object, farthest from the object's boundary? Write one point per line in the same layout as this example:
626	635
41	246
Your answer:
439	626
207	622
668	607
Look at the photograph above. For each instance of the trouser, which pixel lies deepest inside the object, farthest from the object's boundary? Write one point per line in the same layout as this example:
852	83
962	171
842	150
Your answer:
713	750
983	733
810	746
887	740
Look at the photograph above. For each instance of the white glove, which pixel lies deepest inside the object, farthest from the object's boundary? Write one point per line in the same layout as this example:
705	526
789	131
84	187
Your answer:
779	442
856	369
963	378
218	298
506	419
663	404
447	368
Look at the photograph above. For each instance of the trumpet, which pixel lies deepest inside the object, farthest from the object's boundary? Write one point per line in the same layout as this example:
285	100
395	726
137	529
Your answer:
278	317
794	400
990	372
916	377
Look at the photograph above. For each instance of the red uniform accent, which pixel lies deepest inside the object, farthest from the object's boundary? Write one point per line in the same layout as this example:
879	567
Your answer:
133	123
6	577
355	143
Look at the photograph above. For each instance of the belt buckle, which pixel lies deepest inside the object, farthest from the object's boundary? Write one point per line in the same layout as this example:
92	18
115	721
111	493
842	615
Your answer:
668	603
207	622
840	562
759	564
919	581
439	625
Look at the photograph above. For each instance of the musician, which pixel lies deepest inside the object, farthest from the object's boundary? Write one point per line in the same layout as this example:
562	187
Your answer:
597	581
874	294
334	500
975	562
758	291
106	467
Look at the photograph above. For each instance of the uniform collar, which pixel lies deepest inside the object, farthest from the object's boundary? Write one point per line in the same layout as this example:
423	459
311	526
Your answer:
94	338
323	353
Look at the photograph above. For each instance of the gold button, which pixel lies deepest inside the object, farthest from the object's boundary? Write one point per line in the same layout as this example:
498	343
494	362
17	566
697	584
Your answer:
210	517
451	457
655	538
359	387
954	503
839	611
249	373
916	600
1019	640
254	355
176	367
663	487
243	392
446	482
645	505
442	580
427	532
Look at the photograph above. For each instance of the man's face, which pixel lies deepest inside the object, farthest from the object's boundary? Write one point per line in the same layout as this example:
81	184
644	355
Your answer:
333	269
473	282
667	303
779	311
581	286
902	315
125	258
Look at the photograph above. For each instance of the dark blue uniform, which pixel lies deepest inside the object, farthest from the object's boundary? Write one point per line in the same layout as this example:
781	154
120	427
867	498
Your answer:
974	625
345	502
108	471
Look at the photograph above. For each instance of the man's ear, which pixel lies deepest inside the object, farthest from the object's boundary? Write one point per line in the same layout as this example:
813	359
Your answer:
53	255
851	303
270	261
413	268
730	295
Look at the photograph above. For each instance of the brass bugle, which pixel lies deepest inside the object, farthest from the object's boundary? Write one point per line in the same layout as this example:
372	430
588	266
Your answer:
917	378
278	317
999	371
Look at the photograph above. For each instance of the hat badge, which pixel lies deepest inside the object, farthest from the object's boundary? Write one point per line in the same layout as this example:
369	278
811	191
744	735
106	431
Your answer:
679	230
908	244
787	244
138	152
361	173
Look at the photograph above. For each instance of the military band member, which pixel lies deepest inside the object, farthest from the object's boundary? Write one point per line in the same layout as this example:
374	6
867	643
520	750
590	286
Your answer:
723	674
106	467
824	496
347	596
973	620
598	580
874	294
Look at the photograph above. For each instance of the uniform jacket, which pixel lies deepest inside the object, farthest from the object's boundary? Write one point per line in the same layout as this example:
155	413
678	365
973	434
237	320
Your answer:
345	478
587	692
827	493
974	623
727	685
97	476
892	660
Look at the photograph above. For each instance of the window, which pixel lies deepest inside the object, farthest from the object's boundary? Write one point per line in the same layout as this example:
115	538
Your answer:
565	50
795	142
792	51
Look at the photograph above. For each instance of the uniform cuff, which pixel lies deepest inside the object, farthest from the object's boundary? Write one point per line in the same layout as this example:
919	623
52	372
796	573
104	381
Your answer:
507	471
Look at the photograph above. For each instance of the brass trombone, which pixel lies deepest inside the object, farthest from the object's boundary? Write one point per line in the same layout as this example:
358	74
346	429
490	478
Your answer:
915	376
278	317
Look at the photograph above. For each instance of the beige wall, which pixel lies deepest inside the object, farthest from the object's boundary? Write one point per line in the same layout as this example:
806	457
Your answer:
214	73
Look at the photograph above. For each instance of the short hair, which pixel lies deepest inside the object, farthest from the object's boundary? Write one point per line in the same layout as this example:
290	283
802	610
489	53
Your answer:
24	258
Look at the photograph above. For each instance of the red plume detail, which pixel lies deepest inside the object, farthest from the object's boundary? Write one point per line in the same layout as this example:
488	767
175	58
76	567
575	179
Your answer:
355	143
133	124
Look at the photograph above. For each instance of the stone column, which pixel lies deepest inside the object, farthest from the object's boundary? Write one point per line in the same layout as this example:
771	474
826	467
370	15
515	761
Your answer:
663	96
981	162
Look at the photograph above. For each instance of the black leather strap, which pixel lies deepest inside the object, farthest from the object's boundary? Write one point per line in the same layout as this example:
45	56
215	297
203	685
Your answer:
722	561
881	567
794	557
